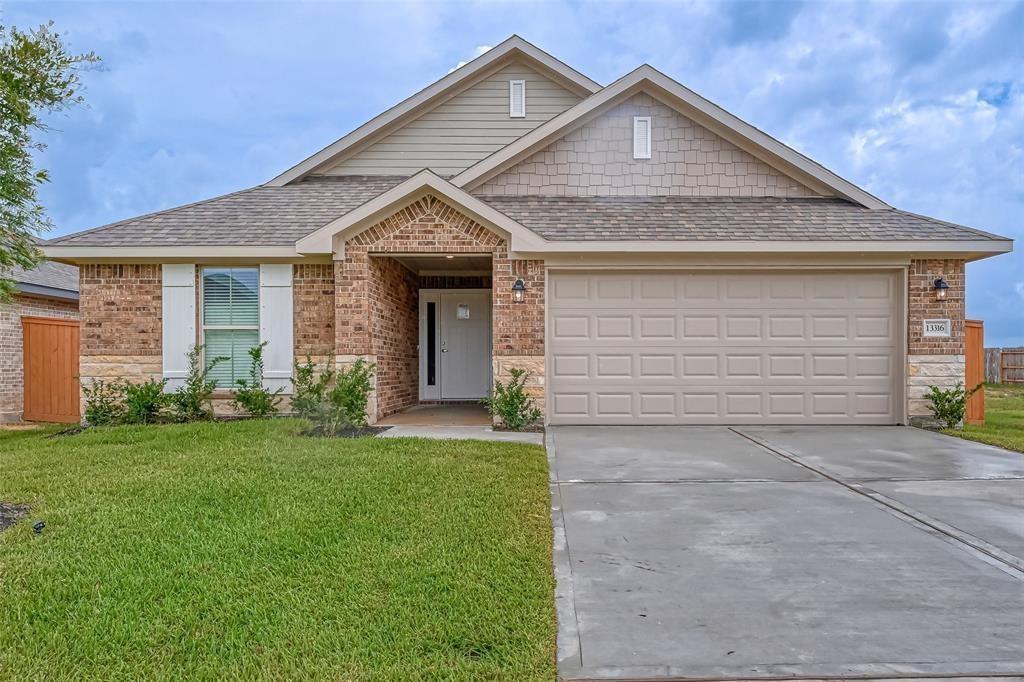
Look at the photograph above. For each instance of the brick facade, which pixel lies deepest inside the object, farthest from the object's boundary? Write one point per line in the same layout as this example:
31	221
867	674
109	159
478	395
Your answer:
687	159
12	346
369	294
931	360
313	304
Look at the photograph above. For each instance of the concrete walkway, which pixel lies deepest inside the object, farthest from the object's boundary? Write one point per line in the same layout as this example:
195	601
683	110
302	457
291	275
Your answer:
462	433
804	552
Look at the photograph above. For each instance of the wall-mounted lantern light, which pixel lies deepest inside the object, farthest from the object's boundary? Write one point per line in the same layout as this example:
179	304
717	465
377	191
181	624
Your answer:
518	289
940	289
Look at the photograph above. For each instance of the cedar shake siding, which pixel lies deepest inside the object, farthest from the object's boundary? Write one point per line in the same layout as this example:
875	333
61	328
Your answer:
686	160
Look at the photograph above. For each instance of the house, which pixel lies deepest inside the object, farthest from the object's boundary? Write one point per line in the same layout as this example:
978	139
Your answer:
39	345
647	256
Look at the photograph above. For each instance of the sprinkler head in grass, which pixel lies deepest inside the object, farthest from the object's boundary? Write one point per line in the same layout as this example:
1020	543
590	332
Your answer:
38	527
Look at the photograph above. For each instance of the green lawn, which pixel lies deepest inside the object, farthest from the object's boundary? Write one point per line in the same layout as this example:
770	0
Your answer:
243	550
1004	418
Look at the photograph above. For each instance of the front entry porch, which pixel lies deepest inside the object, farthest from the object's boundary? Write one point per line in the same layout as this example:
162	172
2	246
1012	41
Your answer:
445	414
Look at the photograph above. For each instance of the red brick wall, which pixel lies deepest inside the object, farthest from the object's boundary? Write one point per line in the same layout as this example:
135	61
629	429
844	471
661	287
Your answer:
394	328
518	327
11	345
121	309
922	305
313	294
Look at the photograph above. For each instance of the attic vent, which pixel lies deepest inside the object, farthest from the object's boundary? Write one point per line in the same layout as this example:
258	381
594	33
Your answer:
517	99
641	137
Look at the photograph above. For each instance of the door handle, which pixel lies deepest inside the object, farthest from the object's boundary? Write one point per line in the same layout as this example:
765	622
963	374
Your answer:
444	350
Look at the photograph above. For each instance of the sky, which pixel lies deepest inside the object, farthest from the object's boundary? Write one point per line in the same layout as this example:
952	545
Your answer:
922	104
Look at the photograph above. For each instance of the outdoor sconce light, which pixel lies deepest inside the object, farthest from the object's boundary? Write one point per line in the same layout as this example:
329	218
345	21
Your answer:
518	289
940	289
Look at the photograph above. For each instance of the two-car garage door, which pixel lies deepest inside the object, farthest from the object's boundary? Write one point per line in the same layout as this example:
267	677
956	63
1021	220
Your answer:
757	347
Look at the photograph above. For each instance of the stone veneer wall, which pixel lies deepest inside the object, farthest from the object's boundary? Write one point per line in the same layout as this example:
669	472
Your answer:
930	360
686	160
430	225
121	313
12	369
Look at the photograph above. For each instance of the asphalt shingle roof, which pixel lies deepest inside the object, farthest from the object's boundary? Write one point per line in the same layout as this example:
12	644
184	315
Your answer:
48	274
704	219
261	216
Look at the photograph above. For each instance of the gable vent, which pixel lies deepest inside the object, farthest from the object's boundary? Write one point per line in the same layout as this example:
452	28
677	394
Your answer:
517	99
641	137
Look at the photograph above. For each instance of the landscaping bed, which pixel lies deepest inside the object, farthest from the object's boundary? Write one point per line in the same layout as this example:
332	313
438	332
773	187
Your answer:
245	550
1004	418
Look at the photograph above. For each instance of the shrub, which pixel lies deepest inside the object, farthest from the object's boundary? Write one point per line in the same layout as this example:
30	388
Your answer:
510	404
144	403
104	402
311	388
344	405
949	405
191	401
251	397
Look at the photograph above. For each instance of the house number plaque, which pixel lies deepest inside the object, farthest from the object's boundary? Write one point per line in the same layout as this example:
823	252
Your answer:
936	328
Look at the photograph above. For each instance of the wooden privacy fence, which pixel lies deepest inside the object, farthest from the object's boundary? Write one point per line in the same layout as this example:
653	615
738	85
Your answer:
974	370
1004	365
51	369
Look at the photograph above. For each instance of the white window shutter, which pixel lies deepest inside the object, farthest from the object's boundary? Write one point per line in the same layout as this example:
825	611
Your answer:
276	325
179	320
641	137
517	99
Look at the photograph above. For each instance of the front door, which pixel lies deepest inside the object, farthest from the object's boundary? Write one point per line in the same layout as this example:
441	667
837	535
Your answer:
465	345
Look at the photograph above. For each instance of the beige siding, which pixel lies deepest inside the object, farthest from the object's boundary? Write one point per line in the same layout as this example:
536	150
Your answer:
686	160
462	130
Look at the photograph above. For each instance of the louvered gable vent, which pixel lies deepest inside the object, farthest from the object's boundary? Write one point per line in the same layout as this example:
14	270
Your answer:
641	137
517	99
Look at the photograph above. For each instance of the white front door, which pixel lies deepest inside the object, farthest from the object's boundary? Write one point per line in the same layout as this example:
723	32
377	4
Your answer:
465	331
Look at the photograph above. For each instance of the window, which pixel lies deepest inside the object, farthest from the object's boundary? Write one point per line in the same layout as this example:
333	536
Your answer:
517	99
641	137
231	319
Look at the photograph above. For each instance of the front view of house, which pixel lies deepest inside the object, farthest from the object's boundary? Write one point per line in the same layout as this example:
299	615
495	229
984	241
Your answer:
648	257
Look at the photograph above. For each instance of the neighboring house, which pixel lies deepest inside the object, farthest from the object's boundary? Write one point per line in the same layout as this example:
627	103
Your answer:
34	327
647	256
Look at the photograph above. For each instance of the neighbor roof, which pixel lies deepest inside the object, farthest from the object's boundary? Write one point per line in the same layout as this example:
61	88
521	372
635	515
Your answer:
261	216
719	219
48	279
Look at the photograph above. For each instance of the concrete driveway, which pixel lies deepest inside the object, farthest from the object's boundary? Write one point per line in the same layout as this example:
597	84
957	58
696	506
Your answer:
786	551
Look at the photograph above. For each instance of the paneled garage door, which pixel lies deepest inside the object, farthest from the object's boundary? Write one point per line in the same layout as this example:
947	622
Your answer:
723	348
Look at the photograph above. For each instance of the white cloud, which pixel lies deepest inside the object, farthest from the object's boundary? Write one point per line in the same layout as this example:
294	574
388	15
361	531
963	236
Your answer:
479	51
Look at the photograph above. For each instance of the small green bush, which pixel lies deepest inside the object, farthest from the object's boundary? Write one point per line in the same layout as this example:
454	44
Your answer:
251	397
144	403
949	405
104	402
191	401
344	405
510	404
311	386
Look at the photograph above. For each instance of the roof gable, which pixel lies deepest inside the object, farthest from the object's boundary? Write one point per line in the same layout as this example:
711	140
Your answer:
686	159
704	113
513	49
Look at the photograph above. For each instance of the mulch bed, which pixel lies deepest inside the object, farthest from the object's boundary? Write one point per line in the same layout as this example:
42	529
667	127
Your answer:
10	513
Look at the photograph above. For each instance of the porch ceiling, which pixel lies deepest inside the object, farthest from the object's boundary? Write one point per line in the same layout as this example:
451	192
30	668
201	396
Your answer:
420	263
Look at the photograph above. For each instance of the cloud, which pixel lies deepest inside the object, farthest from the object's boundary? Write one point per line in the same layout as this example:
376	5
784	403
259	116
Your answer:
478	52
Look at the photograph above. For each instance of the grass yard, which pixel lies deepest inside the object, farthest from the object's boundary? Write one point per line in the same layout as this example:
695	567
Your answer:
242	550
1004	418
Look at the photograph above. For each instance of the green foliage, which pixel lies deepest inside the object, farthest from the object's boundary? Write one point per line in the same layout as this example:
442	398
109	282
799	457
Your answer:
144	403
949	405
311	386
191	401
104	402
37	75
344	405
510	404
250	396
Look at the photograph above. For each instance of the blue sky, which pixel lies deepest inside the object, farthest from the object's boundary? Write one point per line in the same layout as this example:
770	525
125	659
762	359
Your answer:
921	104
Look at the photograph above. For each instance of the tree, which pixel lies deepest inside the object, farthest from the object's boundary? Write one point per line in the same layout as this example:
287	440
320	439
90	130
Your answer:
38	75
